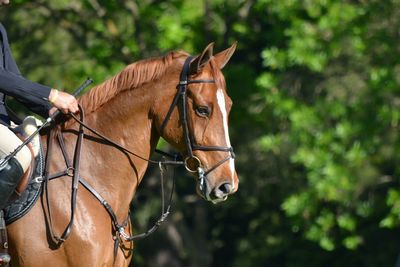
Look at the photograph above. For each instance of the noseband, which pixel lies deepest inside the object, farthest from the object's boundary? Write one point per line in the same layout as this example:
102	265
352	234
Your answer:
180	101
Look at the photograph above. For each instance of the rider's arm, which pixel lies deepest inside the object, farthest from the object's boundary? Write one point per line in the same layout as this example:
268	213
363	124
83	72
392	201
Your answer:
38	98
35	96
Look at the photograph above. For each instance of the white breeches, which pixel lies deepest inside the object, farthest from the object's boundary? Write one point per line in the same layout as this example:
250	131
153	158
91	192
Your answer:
8	142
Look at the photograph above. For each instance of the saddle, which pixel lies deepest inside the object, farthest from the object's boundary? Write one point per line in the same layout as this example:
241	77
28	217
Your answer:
23	202
28	189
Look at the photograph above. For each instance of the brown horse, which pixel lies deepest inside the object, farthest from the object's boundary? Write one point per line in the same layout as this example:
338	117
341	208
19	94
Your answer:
134	108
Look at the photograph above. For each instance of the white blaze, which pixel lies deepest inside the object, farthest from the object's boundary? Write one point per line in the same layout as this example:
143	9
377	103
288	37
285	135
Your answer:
222	107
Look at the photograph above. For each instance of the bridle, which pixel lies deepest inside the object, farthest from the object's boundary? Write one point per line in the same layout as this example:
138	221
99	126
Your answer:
180	101
72	170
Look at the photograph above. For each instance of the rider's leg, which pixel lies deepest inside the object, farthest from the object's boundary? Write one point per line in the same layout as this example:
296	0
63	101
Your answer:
10	175
8	142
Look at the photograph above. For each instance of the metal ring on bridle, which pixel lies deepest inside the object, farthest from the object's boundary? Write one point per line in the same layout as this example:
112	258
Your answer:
186	162
70	171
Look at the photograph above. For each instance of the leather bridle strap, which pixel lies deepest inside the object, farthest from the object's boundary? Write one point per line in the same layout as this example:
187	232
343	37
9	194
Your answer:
70	171
180	100
181	94
73	171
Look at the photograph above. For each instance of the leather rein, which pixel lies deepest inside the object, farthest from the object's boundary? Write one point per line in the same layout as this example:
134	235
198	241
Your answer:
72	168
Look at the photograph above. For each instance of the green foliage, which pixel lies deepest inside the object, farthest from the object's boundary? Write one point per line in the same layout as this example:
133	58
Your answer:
339	117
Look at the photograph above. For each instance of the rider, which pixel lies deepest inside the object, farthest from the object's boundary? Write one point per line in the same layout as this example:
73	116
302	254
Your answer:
38	98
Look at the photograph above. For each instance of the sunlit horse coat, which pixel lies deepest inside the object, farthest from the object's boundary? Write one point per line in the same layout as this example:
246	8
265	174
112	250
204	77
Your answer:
33	95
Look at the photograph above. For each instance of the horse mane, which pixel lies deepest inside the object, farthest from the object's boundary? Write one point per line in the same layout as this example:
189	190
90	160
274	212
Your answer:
131	77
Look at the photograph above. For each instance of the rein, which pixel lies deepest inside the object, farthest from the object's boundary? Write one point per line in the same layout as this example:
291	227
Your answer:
72	170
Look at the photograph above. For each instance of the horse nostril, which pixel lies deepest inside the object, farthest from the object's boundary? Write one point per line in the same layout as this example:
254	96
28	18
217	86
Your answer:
225	188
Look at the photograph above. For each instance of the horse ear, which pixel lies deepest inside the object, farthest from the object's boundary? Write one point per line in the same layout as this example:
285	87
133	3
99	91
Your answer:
200	61
223	57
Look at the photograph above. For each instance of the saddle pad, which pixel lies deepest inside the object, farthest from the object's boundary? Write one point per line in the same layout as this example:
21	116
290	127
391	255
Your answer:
23	204
28	198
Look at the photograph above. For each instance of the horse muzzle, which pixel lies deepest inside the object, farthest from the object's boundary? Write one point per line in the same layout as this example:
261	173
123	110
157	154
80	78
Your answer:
214	194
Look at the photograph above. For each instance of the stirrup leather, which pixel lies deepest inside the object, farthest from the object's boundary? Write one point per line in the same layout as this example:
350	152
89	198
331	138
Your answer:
4	256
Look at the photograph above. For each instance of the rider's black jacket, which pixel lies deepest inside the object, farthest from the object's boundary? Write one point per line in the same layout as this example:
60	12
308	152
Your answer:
33	95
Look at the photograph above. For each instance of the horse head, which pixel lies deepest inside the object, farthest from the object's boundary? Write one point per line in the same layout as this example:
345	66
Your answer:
196	123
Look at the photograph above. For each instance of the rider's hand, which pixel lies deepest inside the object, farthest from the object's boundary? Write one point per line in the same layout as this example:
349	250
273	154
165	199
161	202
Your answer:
63	101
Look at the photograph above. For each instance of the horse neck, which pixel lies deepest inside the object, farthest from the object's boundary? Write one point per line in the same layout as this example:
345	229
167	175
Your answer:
125	120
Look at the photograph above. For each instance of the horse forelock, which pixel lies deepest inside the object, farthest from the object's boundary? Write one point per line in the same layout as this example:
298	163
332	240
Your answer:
131	77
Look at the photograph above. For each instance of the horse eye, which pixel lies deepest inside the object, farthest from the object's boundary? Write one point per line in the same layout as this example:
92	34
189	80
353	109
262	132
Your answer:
203	111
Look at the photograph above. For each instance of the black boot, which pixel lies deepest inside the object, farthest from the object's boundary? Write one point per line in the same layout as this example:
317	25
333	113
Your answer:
10	176
4	256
